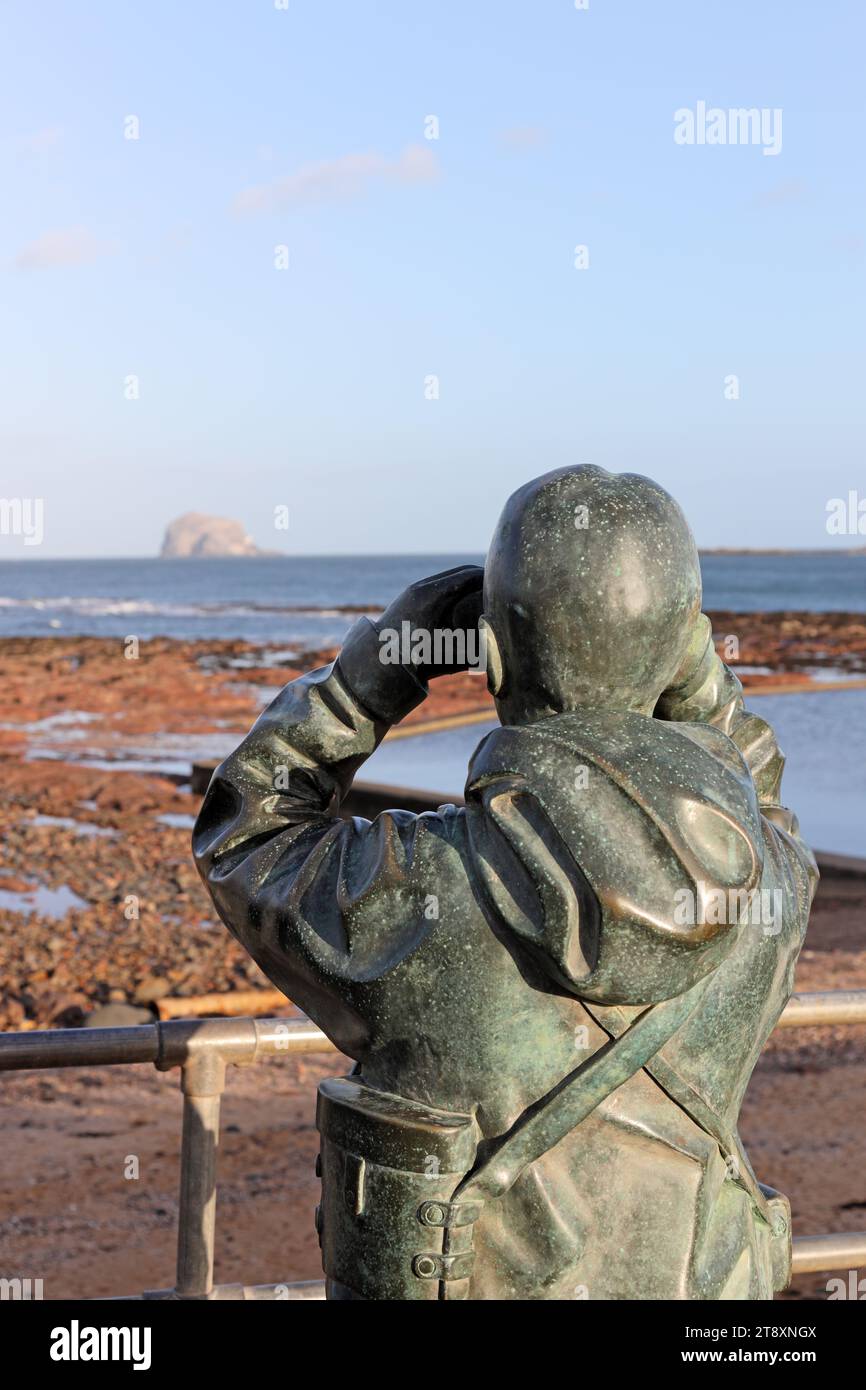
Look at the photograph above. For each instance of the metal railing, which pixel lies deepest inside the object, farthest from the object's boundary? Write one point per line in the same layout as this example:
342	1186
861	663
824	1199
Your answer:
203	1048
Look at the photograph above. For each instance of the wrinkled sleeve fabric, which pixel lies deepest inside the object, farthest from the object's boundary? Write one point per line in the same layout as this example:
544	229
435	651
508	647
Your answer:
712	694
325	906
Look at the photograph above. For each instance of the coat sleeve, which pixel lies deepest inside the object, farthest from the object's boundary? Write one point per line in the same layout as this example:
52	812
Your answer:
325	906
712	694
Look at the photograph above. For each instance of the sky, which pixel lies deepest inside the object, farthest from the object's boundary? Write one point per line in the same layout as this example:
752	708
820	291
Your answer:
237	275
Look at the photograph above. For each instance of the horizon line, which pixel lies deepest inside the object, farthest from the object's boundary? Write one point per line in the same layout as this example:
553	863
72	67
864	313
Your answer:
407	554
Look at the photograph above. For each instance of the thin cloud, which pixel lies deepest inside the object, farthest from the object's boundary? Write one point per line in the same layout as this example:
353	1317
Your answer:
69	246
782	194
332	180
520	138
851	244
41	141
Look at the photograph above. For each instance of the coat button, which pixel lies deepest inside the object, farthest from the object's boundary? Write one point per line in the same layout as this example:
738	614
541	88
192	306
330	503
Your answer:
432	1214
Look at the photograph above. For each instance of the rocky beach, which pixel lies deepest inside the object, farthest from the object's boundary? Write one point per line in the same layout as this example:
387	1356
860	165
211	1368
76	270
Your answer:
100	906
99	900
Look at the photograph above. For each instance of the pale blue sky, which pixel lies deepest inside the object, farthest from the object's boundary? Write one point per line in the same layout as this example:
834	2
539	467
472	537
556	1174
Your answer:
411	257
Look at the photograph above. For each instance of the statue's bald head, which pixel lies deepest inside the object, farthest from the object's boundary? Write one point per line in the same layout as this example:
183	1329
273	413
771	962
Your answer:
591	587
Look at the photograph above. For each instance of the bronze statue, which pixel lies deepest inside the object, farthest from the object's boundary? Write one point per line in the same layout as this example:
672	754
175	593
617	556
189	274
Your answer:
556	996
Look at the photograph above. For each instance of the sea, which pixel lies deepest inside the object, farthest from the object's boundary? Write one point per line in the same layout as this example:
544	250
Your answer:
304	602
312	600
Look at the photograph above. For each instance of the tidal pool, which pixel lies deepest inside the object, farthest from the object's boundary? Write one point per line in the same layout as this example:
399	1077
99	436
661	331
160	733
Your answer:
822	733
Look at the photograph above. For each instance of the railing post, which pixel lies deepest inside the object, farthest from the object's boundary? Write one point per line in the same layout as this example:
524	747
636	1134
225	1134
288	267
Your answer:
202	1081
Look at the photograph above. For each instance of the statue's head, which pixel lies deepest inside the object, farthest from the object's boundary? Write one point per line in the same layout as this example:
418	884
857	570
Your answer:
591	589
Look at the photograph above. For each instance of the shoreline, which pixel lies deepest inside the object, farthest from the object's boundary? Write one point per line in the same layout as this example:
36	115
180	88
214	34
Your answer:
109	911
97	751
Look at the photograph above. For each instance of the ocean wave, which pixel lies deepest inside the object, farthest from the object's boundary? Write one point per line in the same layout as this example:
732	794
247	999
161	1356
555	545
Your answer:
114	607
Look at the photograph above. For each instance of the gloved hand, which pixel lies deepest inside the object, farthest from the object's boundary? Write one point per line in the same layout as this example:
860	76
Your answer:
389	688
696	657
450	601
704	690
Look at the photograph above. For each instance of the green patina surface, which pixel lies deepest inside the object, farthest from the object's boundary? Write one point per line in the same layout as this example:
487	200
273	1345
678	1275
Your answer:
556	995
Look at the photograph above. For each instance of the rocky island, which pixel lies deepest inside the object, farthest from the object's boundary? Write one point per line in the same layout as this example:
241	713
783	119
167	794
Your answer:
197	536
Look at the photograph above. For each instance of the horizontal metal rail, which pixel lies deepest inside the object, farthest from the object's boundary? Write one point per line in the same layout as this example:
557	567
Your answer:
240	1040
824	1008
310	1290
202	1048
166	1045
813	1254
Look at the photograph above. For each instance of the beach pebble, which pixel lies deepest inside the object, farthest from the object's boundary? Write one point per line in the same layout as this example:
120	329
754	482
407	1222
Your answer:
117	1016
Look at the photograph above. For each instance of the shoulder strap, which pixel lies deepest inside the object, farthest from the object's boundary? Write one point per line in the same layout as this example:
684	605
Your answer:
556	1114
549	1120
668	1079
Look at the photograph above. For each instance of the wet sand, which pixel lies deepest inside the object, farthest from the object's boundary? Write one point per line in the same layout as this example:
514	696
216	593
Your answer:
70	1216
99	903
